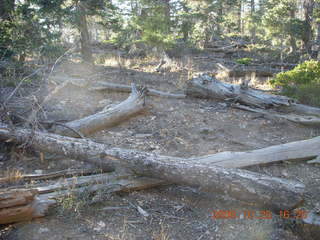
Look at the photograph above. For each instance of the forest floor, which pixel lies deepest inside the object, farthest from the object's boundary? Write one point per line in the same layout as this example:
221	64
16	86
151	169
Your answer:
175	127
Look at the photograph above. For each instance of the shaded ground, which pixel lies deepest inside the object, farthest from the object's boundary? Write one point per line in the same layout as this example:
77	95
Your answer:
184	128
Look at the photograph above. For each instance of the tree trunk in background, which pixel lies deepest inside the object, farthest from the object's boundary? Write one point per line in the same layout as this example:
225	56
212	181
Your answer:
307	12
292	40
166	4
84	33
253	27
239	17
185	23
6	7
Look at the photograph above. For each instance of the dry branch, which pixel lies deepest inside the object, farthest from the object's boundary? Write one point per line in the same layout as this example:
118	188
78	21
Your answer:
104	86
106	118
310	120
252	187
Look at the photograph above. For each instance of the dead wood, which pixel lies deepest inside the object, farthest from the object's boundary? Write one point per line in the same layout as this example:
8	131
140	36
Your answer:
205	86
293	151
312	121
114	87
252	187
51	175
106	118
26	204
21	205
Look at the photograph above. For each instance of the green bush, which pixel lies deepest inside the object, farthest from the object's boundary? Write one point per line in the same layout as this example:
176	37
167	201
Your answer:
302	83
244	61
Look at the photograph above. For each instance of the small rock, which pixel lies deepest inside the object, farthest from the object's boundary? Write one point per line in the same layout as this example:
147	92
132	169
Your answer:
43	230
38	171
143	135
205	130
99	226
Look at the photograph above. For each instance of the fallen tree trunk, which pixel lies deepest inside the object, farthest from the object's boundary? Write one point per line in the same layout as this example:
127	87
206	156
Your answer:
106	118
310	120
26	204
104	86
22	205
205	86
252	187
300	150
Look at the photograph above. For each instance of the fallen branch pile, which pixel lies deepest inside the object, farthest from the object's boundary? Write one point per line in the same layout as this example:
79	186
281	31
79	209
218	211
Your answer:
257	188
219	172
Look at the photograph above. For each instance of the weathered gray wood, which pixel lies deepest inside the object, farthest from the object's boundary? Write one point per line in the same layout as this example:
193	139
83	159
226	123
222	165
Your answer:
309	120
293	151
106	118
22	205
205	86
115	87
244	185
26	204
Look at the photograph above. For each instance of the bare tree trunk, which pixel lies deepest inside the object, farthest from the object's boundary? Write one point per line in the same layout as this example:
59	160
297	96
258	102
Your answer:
84	33
274	193
252	13
240	17
292	40
307	12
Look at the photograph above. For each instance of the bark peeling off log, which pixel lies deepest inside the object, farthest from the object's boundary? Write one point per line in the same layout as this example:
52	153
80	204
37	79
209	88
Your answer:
106	118
205	86
256	188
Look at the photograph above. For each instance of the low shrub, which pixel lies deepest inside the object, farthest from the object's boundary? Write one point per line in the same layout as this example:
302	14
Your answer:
302	82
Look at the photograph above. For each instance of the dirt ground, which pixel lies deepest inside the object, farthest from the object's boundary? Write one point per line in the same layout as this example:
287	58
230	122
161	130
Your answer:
175	127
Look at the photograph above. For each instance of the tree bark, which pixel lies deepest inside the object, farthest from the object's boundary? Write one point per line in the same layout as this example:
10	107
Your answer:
307	12
274	193
84	33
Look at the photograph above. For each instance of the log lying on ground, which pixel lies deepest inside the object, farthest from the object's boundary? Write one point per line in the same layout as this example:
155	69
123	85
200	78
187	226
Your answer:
106	118
21	205
309	120
299	150
271	192
105	86
205	86
26	204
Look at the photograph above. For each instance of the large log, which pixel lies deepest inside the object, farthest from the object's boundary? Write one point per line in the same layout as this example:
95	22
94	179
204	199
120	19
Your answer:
18	205
22	205
106	118
205	86
293	151
274	193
